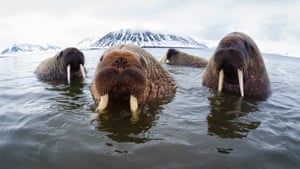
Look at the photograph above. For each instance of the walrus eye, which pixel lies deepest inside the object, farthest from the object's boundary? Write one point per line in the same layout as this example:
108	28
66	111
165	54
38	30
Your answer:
248	47
142	61
101	58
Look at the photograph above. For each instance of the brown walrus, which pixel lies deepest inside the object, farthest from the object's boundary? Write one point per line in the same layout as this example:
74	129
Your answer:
129	74
65	65
175	57
237	66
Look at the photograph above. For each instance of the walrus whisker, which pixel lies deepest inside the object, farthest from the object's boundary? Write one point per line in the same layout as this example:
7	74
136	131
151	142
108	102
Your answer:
82	71
103	103
69	73
221	80
241	81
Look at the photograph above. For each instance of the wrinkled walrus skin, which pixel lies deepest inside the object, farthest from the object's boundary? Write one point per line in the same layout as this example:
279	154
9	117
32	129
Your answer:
176	57
237	66
66	65
129	74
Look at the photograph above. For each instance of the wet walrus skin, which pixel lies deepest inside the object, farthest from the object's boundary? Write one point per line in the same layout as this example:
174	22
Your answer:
128	74
237	66
176	57
64	66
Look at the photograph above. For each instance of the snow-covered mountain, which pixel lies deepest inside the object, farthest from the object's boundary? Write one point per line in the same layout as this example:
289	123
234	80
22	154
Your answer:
24	47
144	38
86	43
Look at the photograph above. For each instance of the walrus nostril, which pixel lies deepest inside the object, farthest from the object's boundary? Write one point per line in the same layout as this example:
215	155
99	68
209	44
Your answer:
121	63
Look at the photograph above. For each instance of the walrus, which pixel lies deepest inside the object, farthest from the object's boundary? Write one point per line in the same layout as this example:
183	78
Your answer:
64	66
176	57
129	74
237	66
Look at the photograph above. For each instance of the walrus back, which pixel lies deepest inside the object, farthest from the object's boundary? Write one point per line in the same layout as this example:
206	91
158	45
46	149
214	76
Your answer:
194	61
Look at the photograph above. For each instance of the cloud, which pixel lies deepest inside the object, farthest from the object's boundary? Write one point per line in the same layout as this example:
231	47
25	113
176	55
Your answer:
65	22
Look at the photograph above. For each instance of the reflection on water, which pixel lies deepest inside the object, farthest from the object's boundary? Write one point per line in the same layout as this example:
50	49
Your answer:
116	122
68	97
226	116
74	88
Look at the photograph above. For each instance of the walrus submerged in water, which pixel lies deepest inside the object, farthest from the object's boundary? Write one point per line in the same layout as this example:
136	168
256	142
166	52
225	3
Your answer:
176	57
128	74
65	65
237	66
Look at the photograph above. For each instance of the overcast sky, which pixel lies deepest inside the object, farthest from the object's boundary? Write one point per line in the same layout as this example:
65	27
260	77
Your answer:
66	22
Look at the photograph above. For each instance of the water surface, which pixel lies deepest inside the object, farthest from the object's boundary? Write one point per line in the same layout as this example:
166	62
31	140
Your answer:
48	125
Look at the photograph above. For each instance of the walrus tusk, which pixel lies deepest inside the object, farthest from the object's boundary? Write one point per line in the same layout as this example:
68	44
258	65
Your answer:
241	81
221	80
164	59
69	73
103	103
82	71
134	106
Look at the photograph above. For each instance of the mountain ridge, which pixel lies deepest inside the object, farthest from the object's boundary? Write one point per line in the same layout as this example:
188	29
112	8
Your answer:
145	38
142	38
27	47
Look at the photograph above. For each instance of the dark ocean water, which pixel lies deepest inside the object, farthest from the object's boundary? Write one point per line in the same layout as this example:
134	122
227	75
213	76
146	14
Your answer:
48	125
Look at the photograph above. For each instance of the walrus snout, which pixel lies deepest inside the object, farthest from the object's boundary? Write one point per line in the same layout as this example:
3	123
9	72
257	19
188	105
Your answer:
74	61
230	63
122	80
230	58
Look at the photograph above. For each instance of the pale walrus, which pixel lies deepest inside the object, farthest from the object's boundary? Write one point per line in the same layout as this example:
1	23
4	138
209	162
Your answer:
129	74
176	57
64	66
237	66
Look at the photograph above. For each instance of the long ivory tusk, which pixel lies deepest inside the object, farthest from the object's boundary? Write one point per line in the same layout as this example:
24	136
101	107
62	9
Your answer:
134	107
241	81
82	71
221	80
103	103
69	73
133	104
164	59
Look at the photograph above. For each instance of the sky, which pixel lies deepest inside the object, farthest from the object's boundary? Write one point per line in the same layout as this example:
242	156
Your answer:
273	24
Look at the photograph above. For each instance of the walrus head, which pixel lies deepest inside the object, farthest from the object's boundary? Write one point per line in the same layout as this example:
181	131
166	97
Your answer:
237	66
170	57
120	78
73	60
232	60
